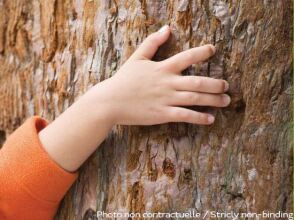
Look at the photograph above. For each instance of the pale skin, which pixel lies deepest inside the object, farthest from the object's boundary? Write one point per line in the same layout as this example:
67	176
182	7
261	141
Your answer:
142	92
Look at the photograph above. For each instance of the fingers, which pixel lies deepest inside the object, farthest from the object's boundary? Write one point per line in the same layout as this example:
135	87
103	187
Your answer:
150	45
203	99
179	114
199	84
183	60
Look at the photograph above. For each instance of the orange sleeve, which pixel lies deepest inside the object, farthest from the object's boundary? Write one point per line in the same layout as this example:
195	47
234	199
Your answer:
31	183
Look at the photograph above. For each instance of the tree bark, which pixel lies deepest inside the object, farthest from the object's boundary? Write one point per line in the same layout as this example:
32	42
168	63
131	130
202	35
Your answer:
52	51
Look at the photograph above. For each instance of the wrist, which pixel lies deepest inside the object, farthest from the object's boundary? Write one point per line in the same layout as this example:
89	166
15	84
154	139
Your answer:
74	135
97	105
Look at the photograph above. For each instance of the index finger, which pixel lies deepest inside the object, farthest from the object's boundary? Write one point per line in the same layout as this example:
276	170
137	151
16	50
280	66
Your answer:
183	60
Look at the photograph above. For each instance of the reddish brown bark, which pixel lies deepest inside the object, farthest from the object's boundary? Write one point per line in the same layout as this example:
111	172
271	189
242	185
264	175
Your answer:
52	51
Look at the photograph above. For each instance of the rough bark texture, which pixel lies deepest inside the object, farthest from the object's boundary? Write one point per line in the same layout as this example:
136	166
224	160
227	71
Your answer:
52	51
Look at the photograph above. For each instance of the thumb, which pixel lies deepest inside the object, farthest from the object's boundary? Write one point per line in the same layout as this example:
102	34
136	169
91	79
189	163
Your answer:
150	45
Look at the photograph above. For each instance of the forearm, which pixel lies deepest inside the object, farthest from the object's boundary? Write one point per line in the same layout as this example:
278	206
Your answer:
142	92
72	137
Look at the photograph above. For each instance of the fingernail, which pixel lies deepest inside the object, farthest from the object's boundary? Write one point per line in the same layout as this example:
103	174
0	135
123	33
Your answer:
210	119
227	86
163	29
226	99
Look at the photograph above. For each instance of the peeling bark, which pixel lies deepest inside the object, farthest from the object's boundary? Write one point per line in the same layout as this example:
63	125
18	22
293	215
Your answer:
51	52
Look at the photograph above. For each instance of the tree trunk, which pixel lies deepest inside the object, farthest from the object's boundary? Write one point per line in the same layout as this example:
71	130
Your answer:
52	51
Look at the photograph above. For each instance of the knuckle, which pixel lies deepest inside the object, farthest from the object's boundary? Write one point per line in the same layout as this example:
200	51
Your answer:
190	56
160	112
151	39
182	115
204	118
163	87
170	83
198	82
200	118
195	98
217	100
161	66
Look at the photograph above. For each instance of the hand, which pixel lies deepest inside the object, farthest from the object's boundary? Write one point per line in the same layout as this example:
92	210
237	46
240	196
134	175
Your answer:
144	92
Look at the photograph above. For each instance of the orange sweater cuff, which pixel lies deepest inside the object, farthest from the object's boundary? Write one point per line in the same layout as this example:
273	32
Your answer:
32	167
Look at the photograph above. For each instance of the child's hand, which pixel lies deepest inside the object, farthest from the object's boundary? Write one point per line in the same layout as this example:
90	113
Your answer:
144	92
